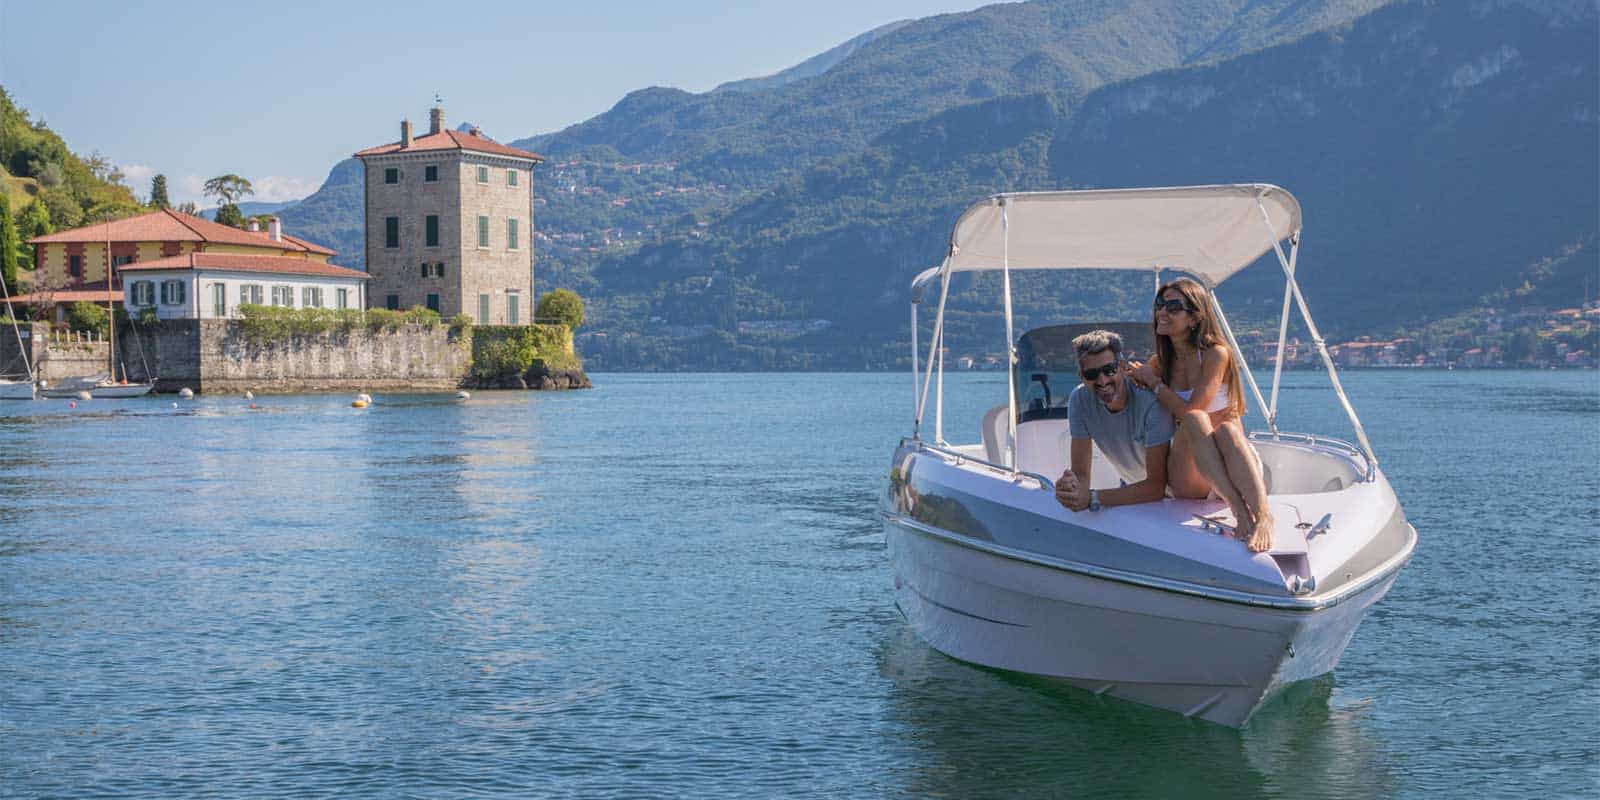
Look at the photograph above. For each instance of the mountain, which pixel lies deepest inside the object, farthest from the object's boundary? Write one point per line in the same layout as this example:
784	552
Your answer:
1443	153
252	208
663	160
813	66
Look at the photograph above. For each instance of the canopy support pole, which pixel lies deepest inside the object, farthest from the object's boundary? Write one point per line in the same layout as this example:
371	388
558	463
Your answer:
933	342
1283	335
1316	339
916	370
1011	347
1238	354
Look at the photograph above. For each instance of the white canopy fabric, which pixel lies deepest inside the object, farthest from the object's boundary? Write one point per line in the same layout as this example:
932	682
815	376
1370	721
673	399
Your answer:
1210	232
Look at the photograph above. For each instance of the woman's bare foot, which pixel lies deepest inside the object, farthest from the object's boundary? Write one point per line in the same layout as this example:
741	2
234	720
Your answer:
1260	540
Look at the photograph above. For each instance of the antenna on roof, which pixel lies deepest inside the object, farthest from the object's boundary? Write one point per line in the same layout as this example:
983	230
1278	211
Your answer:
437	100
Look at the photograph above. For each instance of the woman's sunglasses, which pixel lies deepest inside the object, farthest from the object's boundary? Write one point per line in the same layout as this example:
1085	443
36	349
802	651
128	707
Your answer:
1174	306
1107	370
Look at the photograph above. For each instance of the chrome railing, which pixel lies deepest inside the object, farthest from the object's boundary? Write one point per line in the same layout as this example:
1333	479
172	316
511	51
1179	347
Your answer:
1319	441
962	458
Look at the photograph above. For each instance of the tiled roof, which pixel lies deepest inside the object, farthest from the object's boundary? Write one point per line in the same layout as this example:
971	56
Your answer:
167	225
450	140
284	265
68	296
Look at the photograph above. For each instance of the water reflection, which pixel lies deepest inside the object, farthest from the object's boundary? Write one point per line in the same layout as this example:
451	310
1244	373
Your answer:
974	732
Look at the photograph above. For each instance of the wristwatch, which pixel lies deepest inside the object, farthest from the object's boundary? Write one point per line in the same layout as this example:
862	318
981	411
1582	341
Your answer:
1094	499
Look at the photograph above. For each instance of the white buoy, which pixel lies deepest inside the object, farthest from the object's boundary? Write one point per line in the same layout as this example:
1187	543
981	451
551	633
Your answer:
84	395
249	395
186	393
463	396
174	405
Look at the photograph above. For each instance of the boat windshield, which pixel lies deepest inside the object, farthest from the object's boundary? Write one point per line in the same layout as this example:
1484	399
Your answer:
1047	366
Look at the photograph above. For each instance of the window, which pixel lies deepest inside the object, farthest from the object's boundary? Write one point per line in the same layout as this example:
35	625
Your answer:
430	174
75	266
427	269
144	293
433	303
511	233
483	174
511	309
483	231
117	261
250	293
392	302
219	299
311	297
483	309
430	226
391	231
438	270
391	175
283	296
172	293
342	297
511	177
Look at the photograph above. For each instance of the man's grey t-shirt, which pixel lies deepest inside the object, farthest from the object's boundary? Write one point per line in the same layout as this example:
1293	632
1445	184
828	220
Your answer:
1122	436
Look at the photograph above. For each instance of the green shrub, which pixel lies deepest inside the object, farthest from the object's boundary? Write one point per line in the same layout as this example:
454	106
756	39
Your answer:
563	306
148	316
460	323
87	317
500	351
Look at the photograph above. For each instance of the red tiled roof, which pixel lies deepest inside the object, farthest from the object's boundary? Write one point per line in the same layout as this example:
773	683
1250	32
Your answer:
450	140
167	225
285	265
68	296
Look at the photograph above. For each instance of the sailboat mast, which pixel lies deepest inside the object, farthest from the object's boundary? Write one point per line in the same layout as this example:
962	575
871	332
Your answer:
11	313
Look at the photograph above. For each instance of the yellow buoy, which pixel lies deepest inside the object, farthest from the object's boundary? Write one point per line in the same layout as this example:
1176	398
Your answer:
358	403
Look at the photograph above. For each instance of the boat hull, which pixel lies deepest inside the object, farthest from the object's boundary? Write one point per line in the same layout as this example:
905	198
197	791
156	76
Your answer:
16	390
1203	657
118	390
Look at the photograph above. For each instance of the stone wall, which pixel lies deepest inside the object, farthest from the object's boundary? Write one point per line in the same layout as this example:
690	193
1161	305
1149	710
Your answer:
218	356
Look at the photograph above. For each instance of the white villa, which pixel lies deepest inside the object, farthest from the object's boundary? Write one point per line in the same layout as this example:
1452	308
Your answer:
210	285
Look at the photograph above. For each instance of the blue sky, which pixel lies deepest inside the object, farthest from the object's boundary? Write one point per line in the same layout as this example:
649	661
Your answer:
280	91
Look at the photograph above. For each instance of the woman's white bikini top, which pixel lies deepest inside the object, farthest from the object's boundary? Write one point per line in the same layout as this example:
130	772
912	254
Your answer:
1219	401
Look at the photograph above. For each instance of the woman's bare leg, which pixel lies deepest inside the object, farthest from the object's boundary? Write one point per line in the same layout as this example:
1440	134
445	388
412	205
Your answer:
1245	472
1201	443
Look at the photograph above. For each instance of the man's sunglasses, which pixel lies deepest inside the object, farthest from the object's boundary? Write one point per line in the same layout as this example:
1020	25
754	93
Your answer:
1107	370
1174	306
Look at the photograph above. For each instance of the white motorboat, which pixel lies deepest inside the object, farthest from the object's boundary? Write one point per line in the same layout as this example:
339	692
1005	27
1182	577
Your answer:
1145	602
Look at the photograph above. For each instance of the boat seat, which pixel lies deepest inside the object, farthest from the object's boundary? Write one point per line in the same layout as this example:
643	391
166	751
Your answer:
994	434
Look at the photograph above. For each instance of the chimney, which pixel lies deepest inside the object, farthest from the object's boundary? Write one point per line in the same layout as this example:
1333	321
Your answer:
255	227
405	133
275	229
435	119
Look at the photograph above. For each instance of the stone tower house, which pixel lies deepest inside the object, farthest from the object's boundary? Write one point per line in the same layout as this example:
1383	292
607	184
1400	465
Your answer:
449	224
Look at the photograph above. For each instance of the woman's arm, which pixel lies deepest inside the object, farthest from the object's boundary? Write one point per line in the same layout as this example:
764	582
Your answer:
1210	382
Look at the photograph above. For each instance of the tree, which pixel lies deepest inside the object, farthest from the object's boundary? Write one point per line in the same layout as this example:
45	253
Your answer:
188	208
158	192
230	215
34	221
228	189
563	305
8	243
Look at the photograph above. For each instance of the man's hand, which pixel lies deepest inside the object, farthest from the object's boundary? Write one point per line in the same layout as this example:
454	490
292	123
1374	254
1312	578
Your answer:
1070	492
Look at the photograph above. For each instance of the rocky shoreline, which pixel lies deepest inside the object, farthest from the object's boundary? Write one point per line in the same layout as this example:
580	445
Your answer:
538	378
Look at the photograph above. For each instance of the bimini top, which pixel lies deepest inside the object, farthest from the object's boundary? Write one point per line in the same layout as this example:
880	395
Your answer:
1210	232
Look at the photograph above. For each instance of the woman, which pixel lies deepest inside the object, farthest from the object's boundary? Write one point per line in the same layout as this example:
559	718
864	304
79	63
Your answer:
1193	376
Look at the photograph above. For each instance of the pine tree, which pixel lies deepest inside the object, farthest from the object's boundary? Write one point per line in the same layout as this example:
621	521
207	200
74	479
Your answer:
229	214
158	192
8	242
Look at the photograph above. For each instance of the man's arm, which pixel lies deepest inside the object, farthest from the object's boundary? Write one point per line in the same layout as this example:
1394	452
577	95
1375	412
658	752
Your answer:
1149	490
1072	490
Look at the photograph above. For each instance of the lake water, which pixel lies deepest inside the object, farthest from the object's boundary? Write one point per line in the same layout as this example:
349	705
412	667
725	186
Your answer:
676	585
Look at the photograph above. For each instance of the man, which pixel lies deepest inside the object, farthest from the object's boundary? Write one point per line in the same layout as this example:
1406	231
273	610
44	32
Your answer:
1129	425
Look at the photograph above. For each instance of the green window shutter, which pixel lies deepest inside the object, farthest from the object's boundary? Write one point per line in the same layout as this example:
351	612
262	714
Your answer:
432	233
483	231
391	231
511	234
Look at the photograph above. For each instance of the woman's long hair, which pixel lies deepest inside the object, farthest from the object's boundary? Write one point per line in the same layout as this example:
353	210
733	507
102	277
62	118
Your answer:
1203	336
